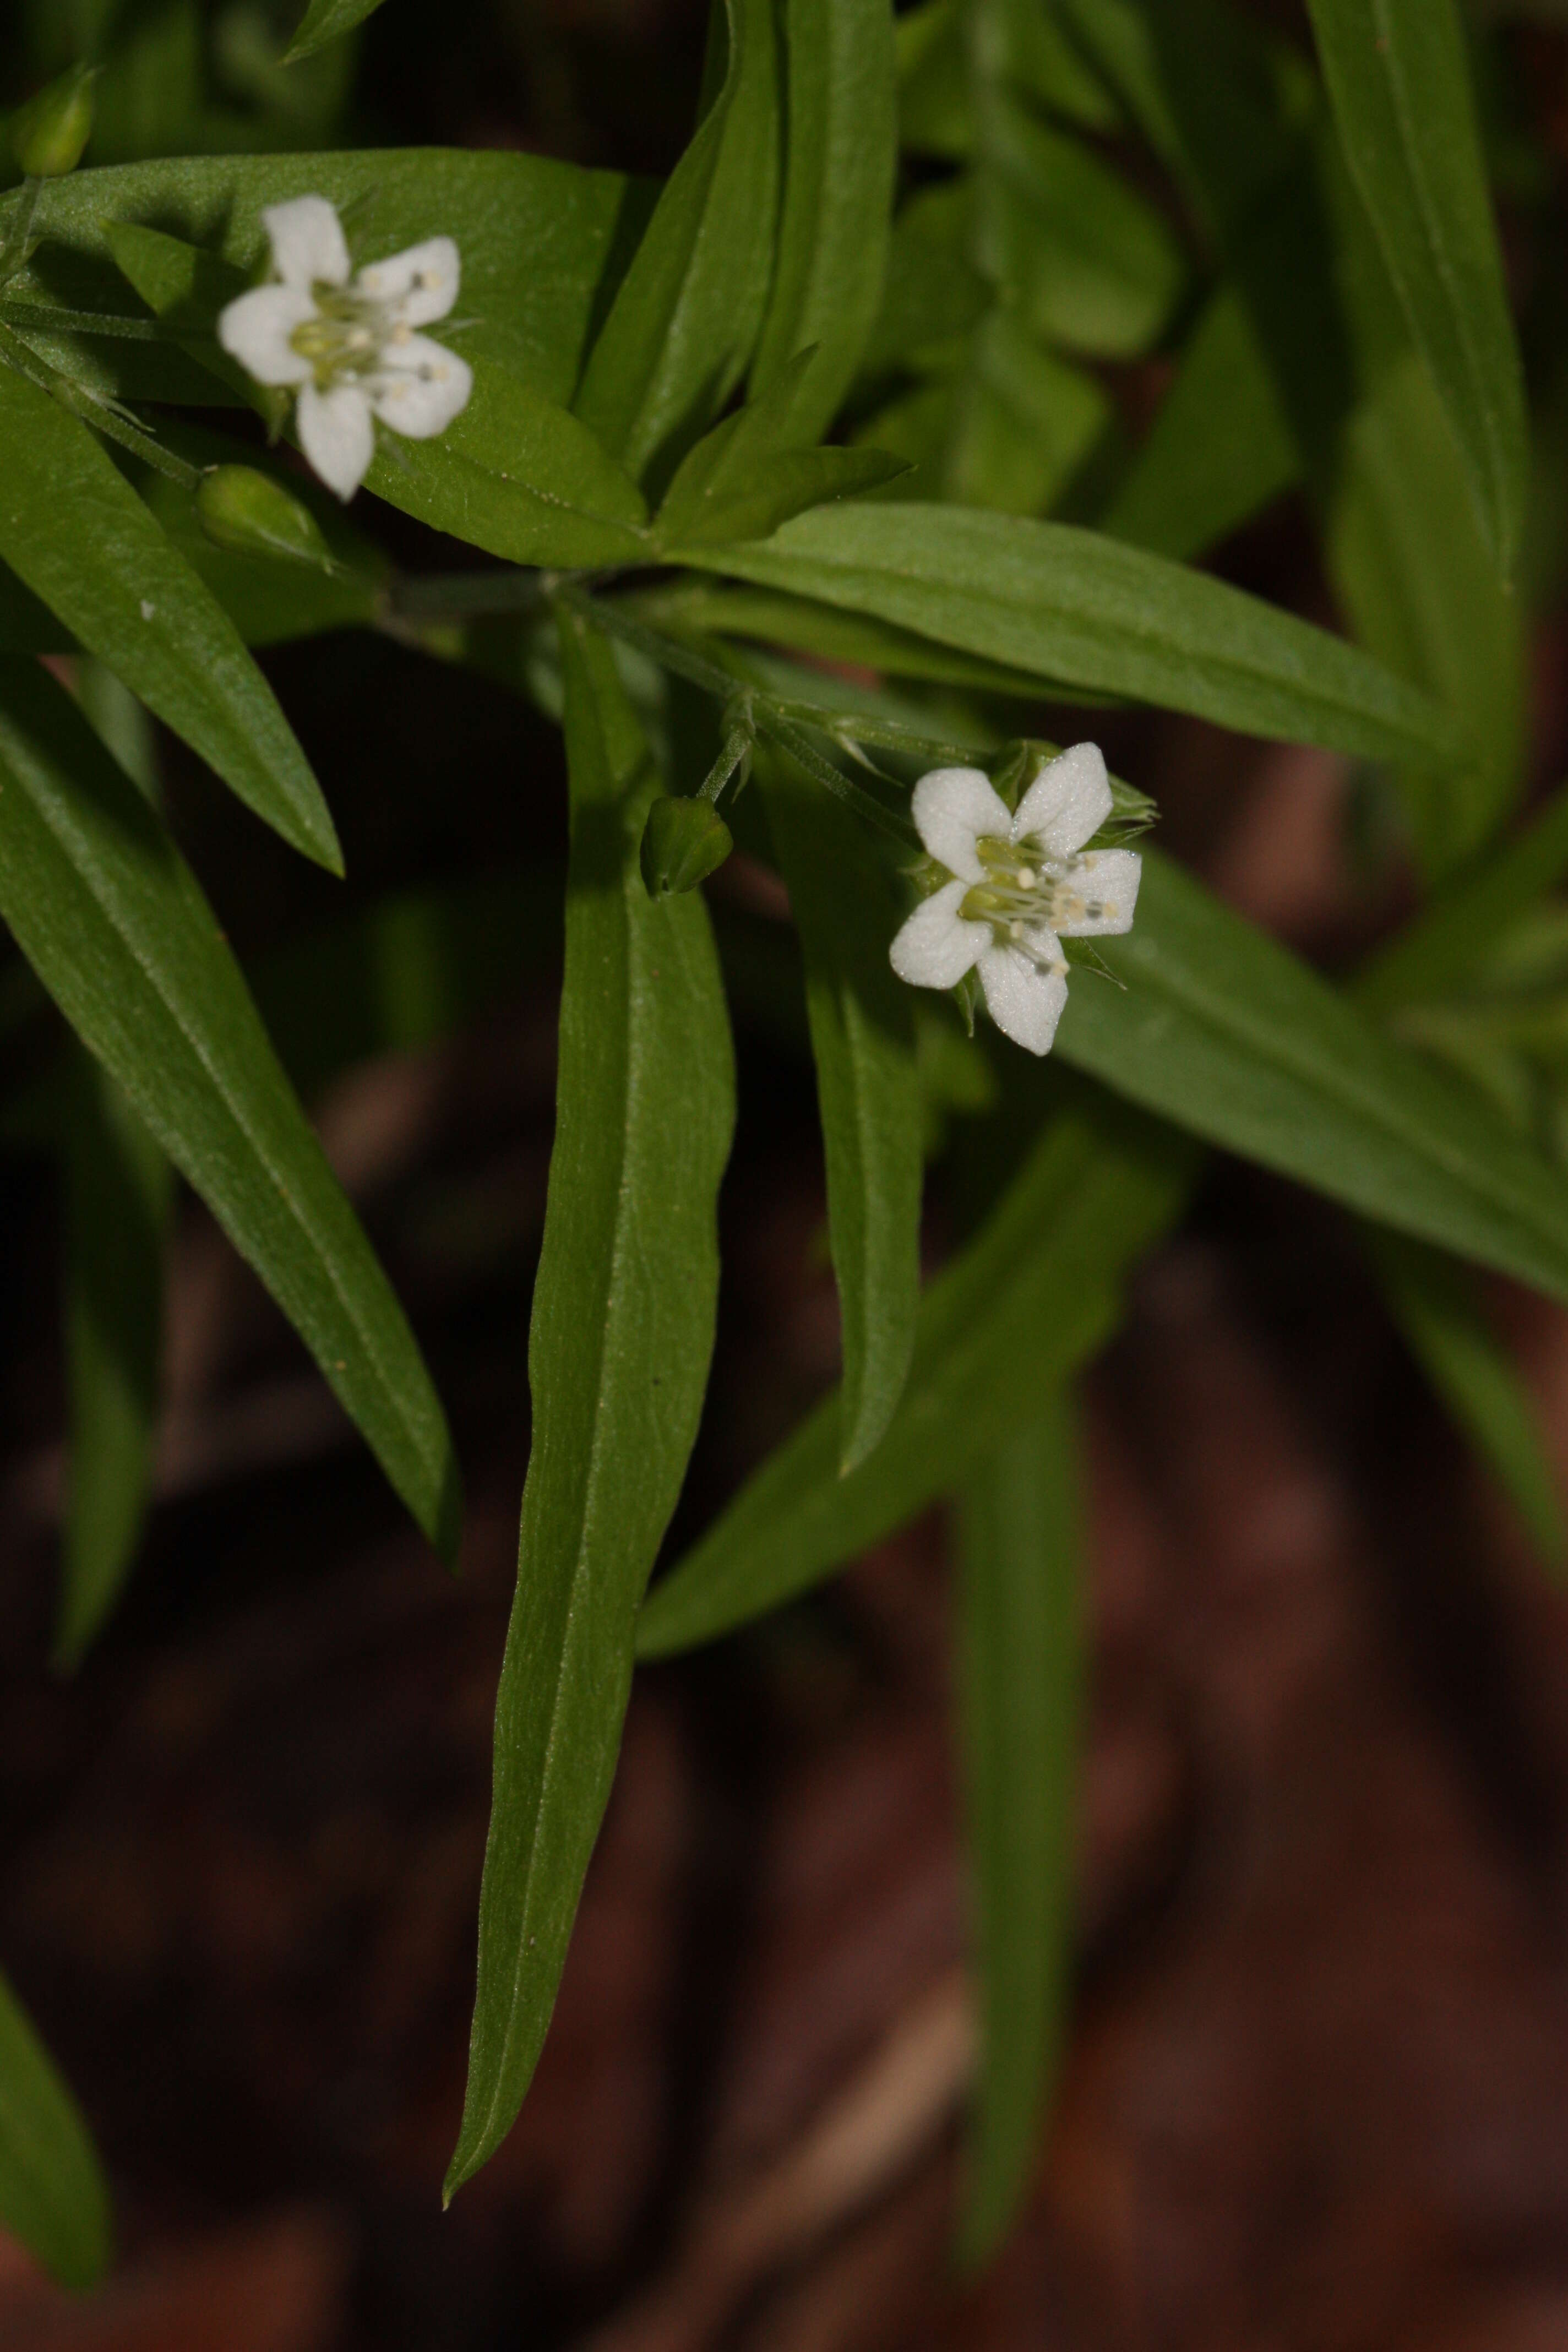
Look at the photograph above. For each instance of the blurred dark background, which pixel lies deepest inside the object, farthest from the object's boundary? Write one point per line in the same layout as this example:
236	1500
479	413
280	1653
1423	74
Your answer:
1315	2091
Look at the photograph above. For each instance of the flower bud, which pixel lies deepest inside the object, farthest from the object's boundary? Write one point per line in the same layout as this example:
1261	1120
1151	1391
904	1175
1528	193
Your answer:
49	132
683	841
250	514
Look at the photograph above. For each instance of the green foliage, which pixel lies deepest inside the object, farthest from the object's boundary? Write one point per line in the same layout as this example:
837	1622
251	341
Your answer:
1029	1299
112	920
868	1089
325	21
618	1350
74	531
707	390
1217	1028
1400	85
1433	1300
1020	1674
687	316
1079	610
52	2193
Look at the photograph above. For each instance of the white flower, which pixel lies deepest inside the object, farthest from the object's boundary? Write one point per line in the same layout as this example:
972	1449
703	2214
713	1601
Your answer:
1020	884
349	347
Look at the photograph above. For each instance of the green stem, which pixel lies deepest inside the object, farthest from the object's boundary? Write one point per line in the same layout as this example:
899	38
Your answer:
100	415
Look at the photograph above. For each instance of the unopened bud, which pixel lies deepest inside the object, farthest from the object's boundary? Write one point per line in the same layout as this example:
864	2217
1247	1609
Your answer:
49	132
250	514
683	841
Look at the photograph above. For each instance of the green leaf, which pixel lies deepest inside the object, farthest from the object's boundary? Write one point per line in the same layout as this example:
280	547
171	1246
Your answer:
1434	1302
839	157
52	2193
1020	1686
689	309
1451	936
113	921
325	21
75	532
1079	609
1023	423
1220	1030
932	295
1220	448
742	479
520	476
1399	83
541	245
1027	1301
1083	257
118	1197
618	1352
868	1091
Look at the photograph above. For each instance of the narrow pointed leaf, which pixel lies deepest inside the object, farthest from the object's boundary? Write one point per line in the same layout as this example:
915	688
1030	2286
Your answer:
1434	1302
1021	1691
52	2191
1030	1298
1079	609
1399	82
867	1092
117	1196
839	157
1452	935
76	532
619	1352
325	21
1217	1028
686	315
113	921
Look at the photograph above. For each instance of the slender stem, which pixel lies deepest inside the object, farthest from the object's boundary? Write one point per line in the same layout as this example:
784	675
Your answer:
100	415
54	318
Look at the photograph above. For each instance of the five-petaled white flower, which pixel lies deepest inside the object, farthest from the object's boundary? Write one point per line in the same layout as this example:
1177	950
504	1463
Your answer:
1020	884
349	346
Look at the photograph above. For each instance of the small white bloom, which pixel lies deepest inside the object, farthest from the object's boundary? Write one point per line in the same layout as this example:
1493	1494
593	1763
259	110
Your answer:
348	347
1020	885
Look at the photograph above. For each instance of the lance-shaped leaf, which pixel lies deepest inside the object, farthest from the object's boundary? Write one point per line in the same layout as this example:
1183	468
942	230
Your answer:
839	159
1399	83
1434	1302
1452	935
742	481
52	2193
114	924
686	317
73	528
325	21
1028	1299
1223	1032
117	1203
1080	610
868	1091
618	1352
1020	1690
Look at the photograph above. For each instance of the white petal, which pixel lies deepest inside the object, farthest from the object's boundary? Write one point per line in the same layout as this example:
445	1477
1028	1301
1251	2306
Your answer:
936	947
307	242
337	435
1069	800
255	330
952	806
421	283
420	386
1107	879
1025	1002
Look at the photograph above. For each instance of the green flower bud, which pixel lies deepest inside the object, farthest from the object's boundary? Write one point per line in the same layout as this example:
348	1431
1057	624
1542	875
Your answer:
49	132
683	841
250	514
